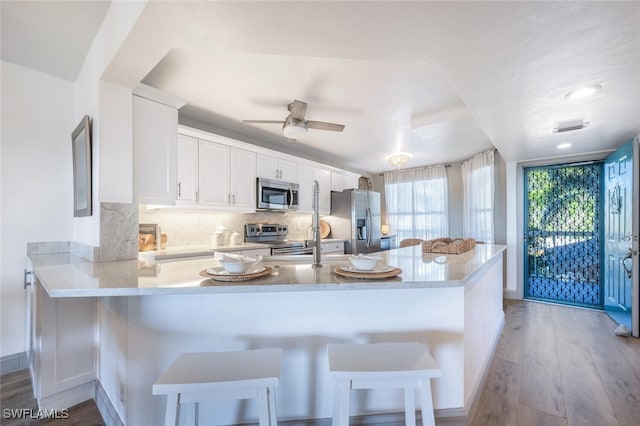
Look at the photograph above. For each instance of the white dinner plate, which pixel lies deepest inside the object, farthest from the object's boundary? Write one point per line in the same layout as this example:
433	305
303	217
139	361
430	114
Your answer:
377	270
222	271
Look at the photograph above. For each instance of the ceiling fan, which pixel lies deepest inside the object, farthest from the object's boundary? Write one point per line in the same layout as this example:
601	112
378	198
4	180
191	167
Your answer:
295	126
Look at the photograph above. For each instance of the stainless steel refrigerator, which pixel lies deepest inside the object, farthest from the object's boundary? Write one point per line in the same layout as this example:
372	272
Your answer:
355	216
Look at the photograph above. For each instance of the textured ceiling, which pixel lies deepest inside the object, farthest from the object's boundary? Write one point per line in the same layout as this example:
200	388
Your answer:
443	80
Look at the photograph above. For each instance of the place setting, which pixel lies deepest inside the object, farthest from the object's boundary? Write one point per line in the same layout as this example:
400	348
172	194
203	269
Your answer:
235	267
367	267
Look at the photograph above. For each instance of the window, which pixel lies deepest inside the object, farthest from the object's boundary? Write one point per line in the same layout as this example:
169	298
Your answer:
417	202
478	186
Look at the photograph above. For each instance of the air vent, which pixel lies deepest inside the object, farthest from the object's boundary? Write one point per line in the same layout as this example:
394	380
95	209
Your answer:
567	126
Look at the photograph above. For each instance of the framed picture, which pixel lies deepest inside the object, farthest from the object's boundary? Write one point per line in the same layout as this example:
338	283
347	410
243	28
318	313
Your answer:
81	146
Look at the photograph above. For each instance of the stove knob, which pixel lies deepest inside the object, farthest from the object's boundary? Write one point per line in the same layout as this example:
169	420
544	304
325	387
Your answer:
279	228
284	228
253	229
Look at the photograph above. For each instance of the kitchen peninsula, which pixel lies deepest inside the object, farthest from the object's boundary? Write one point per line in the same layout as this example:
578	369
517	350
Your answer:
451	303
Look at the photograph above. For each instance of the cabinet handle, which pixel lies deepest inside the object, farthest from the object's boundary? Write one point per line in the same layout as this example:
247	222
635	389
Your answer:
234	198
27	283
179	190
197	196
228	198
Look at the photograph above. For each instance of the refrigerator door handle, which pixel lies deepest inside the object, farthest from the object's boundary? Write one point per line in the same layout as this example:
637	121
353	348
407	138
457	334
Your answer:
368	227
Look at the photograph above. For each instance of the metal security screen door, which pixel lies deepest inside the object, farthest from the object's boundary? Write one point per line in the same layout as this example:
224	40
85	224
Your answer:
563	212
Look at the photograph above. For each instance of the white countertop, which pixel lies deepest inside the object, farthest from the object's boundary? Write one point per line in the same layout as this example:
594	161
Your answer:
66	275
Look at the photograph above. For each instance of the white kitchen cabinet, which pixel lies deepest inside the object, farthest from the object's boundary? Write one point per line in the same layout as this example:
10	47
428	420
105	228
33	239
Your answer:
213	174
226	177
343	180
187	171
307	173
62	348
332	247
154	151
272	167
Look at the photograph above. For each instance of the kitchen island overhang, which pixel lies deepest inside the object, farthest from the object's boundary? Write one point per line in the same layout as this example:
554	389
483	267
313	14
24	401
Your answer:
457	313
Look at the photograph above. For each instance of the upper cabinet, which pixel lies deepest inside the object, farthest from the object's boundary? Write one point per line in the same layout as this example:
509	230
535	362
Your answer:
272	167
341	180
215	175
187	171
219	173
155	126
307	173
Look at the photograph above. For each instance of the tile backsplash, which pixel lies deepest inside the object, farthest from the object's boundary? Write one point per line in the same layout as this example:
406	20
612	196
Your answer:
186	227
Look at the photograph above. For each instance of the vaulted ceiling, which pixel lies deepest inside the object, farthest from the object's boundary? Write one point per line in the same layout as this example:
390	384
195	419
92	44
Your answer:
442	80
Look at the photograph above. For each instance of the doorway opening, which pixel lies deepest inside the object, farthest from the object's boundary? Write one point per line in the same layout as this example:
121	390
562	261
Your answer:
563	242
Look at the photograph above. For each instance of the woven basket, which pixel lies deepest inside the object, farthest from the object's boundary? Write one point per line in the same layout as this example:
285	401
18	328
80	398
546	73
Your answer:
448	245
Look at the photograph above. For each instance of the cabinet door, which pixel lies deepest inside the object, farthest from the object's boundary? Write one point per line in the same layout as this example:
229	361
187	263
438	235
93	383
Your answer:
267	167
337	181
324	179
272	167
155	128
213	174
332	247
242	179
351	181
187	170
306	175
288	170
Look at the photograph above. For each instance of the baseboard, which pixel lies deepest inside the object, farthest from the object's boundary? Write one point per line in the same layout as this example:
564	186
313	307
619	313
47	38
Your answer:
13	363
106	408
68	398
510	294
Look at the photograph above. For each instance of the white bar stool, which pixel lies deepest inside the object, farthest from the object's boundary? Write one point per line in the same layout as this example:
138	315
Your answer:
202	376
383	365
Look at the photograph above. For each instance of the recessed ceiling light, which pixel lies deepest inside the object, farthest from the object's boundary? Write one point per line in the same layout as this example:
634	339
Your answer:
564	146
583	92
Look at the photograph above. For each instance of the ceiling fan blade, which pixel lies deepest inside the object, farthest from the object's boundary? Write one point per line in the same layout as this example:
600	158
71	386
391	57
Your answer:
321	125
298	109
263	121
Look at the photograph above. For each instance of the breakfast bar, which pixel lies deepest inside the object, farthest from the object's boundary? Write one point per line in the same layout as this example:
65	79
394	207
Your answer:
157	310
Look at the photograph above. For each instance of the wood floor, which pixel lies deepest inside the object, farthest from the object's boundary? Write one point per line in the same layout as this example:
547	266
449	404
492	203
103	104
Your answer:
16	393
554	365
558	365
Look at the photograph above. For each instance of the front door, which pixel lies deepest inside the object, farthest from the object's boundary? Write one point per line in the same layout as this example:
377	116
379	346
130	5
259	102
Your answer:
621	237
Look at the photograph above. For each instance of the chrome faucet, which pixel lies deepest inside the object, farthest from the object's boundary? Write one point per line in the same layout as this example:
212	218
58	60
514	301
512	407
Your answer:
315	224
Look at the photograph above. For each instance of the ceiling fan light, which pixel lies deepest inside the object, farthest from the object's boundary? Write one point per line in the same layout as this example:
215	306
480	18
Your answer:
399	159
294	131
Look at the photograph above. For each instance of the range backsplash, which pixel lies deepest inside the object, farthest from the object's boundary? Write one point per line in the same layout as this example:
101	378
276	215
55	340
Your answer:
186	227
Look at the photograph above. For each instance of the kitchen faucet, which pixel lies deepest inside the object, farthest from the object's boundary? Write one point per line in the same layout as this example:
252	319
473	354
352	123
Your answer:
315	224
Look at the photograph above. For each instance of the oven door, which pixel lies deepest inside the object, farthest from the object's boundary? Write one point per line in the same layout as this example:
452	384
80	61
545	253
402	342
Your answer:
275	195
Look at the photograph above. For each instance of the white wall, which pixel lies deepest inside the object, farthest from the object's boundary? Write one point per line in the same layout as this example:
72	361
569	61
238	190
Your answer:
36	181
108	106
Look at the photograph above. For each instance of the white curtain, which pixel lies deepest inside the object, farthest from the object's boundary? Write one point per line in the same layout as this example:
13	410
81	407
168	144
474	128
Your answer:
478	204
417	202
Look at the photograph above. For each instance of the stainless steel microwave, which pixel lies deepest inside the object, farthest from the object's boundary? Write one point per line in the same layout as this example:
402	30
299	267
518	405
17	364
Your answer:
276	195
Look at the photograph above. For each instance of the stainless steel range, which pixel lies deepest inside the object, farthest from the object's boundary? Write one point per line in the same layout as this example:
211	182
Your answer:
276	235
